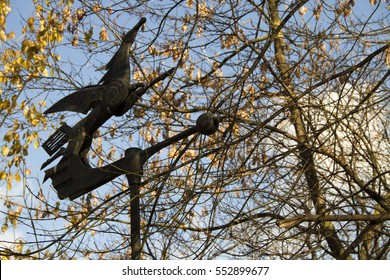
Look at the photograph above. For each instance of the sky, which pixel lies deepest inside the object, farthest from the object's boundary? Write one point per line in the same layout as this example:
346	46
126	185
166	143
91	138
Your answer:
23	9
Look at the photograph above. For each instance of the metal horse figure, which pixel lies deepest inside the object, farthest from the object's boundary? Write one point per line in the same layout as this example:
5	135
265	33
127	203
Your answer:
73	176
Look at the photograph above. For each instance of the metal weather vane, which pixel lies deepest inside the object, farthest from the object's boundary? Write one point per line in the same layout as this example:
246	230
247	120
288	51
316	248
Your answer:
114	95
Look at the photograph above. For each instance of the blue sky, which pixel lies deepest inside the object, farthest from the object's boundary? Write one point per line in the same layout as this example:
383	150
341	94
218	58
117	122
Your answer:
24	9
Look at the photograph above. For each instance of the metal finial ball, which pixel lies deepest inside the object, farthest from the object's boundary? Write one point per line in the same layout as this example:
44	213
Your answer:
207	123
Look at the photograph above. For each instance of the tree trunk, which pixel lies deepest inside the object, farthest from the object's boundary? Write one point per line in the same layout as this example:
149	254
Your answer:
306	156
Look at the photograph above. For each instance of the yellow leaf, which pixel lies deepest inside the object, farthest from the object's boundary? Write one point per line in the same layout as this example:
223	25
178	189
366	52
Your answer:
45	73
303	10
4	151
190	3
8	136
30	23
3	36
17	177
36	144
103	35
35	122
97	8
4	228
75	41
11	35
19	246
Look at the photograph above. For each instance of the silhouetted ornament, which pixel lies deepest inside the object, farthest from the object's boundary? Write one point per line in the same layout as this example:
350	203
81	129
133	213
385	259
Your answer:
114	95
208	123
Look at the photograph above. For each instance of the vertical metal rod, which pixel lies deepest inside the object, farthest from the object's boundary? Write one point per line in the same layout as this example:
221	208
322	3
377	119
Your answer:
135	225
206	124
134	176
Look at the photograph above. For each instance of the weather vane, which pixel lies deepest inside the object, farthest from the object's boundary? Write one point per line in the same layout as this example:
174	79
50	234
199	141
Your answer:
114	95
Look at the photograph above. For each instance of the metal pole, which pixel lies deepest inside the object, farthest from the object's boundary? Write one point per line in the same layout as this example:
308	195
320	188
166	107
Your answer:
134	175
135	225
206	124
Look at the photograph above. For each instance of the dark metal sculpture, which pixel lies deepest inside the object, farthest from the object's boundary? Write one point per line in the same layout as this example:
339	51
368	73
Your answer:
73	177
113	96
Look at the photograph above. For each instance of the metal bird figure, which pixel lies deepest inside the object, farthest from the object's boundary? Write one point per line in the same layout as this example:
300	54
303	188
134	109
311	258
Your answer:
114	95
117	77
119	67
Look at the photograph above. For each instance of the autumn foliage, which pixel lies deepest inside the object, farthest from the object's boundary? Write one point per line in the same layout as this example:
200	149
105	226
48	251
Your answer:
299	168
